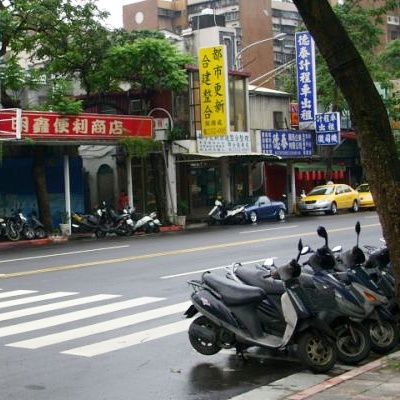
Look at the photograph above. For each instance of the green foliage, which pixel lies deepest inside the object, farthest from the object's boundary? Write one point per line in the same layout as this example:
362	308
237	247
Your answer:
182	207
59	101
139	147
363	27
148	63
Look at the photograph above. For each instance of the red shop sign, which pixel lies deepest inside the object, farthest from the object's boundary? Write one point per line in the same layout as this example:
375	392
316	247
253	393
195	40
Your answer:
85	126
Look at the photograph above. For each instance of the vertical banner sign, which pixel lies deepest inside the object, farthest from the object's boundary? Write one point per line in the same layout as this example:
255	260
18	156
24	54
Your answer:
327	128
306	81
214	100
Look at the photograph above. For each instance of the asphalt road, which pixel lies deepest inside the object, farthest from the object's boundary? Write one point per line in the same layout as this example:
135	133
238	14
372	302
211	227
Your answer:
103	319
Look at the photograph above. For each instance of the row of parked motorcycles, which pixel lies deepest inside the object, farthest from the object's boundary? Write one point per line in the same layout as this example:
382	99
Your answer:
19	226
105	220
336	305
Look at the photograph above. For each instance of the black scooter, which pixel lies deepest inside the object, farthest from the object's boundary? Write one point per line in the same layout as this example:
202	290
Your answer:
234	316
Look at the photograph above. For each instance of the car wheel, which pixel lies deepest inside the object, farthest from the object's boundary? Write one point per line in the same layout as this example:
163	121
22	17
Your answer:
355	206
253	217
333	209
281	215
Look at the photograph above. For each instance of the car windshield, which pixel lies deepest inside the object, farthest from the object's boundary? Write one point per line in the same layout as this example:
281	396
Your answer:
248	200
363	188
321	190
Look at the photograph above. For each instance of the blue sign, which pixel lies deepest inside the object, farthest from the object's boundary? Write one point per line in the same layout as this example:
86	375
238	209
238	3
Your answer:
287	143
327	128
306	81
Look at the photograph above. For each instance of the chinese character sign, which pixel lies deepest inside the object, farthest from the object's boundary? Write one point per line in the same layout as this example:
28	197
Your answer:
214	99
232	143
287	143
327	128
49	125
306	81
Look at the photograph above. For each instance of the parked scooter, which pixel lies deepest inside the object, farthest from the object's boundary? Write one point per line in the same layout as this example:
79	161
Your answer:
236	316
37	226
379	297
352	339
148	223
20	223
112	223
85	223
380	322
222	215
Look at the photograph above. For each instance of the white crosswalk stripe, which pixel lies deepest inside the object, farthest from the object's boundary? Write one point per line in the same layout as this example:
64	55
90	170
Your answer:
100	327
20	321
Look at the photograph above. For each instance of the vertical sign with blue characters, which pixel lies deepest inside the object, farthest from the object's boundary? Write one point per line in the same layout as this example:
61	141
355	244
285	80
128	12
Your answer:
306	81
287	143
327	128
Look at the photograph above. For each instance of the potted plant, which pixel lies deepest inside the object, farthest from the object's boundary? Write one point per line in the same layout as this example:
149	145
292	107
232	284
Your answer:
182	209
65	226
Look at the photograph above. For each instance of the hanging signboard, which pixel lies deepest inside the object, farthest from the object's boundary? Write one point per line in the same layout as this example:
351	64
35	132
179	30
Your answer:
306	80
214	100
233	143
287	143
327	128
49	125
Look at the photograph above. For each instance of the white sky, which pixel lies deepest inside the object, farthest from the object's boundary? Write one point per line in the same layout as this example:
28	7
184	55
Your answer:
115	8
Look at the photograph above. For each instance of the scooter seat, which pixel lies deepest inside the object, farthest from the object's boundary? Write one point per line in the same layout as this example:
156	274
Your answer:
260	277
233	293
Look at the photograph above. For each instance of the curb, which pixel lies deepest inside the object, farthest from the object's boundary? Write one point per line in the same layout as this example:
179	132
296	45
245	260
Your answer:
337	380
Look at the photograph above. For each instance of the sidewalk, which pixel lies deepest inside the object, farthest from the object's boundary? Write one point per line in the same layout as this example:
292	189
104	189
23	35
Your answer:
5	244
378	379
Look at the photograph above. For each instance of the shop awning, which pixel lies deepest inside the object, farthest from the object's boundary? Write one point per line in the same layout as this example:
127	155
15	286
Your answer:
317	171
188	157
316	166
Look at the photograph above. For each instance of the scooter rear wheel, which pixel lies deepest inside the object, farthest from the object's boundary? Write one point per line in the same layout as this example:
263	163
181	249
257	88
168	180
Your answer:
353	343
316	352
200	343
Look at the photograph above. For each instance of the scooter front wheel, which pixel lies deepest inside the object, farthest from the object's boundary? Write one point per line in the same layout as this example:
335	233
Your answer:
316	352
202	334
100	233
40	233
353	343
384	336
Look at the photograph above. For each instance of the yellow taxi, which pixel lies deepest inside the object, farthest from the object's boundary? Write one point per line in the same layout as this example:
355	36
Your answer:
365	196
329	199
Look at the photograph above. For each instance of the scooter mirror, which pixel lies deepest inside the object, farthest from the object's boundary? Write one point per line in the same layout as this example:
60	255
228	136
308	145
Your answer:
337	249
321	231
306	250
268	262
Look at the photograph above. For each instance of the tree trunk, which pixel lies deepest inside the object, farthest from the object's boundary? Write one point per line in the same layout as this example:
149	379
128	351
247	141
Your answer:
39	177
368	113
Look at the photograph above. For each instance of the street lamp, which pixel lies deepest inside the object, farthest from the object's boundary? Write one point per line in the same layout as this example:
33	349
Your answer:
278	36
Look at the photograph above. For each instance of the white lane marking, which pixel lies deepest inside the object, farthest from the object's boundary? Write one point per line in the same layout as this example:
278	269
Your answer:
35	299
100	327
270	229
199	271
75	316
65	254
14	293
133	339
54	306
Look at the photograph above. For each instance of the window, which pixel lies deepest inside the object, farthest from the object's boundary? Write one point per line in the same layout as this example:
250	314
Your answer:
278	119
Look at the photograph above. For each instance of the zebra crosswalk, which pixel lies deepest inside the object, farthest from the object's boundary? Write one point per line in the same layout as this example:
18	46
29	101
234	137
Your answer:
32	320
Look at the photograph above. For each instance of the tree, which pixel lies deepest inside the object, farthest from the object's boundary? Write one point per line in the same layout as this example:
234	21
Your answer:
374	136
